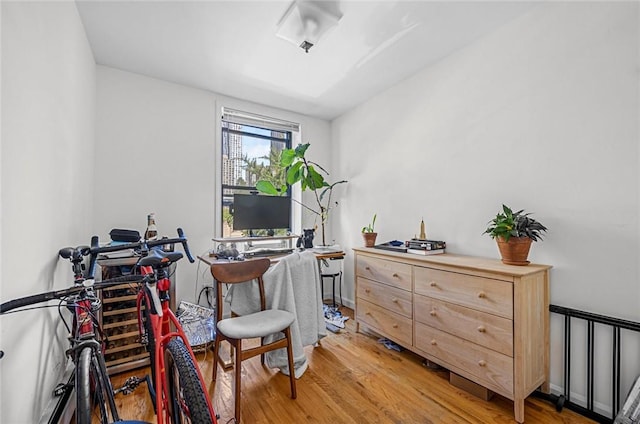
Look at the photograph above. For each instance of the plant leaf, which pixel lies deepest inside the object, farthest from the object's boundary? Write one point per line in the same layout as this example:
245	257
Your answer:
266	187
293	173
286	157
301	150
315	180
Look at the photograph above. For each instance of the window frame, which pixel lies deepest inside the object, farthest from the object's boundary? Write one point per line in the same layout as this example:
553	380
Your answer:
260	122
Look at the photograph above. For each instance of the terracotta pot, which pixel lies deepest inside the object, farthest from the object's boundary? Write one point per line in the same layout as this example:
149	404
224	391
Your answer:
369	239
515	251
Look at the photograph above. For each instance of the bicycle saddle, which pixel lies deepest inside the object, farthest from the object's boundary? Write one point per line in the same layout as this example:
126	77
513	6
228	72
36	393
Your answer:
157	257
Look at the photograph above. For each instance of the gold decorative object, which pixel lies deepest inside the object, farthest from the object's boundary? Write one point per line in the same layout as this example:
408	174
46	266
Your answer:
423	235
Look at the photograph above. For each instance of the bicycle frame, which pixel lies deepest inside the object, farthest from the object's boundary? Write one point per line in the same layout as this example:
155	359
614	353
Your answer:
162	320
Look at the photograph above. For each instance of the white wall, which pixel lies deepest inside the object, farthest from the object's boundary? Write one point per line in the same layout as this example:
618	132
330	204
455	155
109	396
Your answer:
48	108
541	115
156	152
550	99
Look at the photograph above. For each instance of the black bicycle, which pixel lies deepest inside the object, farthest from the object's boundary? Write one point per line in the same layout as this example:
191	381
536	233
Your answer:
93	391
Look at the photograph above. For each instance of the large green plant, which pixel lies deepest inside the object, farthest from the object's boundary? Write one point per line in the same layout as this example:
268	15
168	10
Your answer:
310	176
509	224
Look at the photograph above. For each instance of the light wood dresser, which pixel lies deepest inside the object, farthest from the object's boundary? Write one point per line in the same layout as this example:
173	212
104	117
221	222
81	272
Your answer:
477	317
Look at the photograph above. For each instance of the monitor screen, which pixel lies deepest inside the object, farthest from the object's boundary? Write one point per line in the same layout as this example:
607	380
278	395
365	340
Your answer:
255	212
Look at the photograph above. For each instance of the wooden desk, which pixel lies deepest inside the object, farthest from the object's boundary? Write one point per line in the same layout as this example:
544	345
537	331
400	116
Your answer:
330	255
211	259
320	255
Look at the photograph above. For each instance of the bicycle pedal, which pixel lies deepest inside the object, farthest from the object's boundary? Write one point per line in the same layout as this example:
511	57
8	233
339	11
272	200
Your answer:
129	385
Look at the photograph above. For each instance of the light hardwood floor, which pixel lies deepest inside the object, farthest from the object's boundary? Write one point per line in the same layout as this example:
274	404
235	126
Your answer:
351	379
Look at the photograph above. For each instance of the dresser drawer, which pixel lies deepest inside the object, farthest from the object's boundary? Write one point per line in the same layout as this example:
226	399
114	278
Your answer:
487	330
395	274
392	325
491	369
391	298
483	294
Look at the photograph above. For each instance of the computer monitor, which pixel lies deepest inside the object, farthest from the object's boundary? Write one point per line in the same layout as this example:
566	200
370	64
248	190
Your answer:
258	212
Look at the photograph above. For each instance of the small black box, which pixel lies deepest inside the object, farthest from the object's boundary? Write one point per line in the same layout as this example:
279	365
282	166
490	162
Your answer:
129	236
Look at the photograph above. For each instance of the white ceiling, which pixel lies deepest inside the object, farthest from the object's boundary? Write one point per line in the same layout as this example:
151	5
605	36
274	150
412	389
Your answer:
230	47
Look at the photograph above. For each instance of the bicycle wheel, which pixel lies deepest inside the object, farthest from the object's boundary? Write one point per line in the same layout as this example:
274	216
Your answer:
187	400
94	395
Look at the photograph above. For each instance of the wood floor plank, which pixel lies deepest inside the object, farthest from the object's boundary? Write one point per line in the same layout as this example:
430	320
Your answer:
351	379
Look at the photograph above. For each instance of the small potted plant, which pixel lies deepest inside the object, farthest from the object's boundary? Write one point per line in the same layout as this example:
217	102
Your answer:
514	232
369	234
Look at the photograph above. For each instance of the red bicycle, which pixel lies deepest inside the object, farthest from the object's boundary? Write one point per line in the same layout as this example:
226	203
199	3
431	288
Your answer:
178	391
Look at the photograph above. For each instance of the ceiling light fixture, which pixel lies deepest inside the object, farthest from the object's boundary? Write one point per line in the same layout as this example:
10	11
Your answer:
305	22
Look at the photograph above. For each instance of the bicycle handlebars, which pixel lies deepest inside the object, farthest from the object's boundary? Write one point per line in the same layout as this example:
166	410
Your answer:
95	249
59	294
75	254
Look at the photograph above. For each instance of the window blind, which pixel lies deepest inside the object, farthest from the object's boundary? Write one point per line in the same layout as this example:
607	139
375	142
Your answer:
261	121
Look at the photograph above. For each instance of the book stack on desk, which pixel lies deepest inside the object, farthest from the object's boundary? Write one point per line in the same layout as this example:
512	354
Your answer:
425	247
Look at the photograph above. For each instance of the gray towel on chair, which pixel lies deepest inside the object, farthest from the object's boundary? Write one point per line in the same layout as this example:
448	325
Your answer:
292	284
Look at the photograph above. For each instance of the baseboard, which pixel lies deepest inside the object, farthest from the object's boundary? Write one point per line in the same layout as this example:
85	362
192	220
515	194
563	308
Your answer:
581	399
348	303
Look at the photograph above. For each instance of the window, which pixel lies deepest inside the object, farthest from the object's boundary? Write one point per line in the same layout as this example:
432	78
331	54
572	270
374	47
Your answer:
251	144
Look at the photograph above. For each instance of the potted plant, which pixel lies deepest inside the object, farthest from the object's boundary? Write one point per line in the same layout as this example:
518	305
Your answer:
369	234
514	232
304	171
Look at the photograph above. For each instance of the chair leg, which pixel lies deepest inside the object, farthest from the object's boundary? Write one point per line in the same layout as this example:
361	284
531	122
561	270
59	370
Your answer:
238	379
216	358
341	303
292	371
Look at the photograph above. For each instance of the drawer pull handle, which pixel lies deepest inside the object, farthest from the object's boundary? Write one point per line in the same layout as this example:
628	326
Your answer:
395	275
367	290
433	284
395	326
367	313
482	363
432	313
433	342
394	299
367	268
482	295
482	329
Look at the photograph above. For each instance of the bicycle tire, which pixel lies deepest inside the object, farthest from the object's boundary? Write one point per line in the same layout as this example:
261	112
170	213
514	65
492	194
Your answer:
187	401
94	395
151	338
